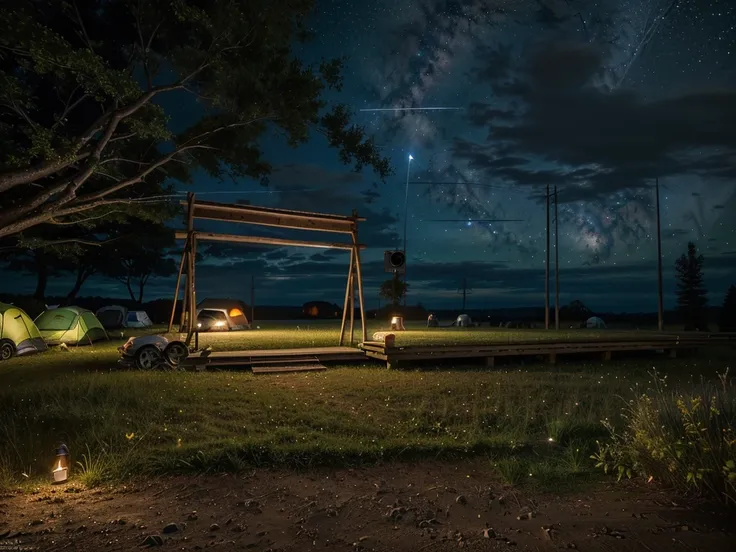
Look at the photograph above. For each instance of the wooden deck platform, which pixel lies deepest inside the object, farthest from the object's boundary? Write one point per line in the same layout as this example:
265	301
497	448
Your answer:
276	360
546	348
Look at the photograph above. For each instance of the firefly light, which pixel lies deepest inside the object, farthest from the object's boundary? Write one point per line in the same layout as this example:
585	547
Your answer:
61	465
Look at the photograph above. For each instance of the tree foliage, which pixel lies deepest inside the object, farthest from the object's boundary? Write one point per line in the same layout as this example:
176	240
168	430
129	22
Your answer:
141	253
100	100
727	318
692	297
394	290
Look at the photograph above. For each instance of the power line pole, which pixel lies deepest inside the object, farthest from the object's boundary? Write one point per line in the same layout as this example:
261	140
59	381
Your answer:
546	270
406	216
465	291
557	268
660	299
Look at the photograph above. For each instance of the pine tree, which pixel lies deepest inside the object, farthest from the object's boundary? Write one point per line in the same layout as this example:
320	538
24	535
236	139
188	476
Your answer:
691	292
727	318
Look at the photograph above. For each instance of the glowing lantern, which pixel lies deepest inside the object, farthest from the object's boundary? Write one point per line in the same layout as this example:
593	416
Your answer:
236	312
61	468
397	323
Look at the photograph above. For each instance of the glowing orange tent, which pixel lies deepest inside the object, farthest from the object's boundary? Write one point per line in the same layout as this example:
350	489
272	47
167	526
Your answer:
227	314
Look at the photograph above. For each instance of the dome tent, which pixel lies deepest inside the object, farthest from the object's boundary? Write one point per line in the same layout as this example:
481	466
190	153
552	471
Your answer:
70	325
464	321
138	319
595	322
230	312
112	317
18	334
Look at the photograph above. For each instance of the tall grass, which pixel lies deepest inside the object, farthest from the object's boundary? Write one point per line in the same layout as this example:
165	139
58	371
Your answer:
122	423
682	438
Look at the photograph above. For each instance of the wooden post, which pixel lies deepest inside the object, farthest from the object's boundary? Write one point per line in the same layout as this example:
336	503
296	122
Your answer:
557	268
660	299
546	270
252	299
352	305
347	298
178	284
359	275
188	250
192	302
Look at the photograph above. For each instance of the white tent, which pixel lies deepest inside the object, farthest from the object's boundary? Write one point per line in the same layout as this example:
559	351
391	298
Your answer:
138	319
463	321
595	322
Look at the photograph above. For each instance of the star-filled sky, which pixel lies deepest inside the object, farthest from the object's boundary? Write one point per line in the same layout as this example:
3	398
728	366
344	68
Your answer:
596	97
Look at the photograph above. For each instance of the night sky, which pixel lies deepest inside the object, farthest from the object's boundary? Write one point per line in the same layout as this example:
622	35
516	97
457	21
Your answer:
596	97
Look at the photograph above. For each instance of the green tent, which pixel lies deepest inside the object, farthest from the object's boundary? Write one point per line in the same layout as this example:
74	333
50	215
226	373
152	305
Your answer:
70	325
18	334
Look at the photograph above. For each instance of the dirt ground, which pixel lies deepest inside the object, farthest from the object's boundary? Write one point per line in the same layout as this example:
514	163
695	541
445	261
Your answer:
415	507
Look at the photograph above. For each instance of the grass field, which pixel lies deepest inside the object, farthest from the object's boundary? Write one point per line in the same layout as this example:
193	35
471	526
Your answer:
124	423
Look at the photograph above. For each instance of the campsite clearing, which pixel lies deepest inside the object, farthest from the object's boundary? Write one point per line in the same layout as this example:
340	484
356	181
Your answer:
497	439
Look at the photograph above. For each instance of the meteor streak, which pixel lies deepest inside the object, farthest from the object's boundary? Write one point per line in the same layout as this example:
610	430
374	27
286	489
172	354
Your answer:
412	109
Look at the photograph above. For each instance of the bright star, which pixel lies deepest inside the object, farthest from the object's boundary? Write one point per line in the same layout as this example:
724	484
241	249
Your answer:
410	157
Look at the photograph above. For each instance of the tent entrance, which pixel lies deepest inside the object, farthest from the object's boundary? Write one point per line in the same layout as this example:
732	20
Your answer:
278	218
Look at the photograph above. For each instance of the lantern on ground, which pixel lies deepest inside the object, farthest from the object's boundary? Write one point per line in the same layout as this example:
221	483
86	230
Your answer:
61	464
397	323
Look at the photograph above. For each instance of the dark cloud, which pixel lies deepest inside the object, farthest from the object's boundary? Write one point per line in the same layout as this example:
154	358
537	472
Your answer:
613	139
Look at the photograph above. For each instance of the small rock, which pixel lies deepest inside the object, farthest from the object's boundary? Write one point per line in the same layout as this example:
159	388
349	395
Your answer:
239	528
229	521
36	522
489	533
525	516
572	546
81	528
461	499
170	528
153	540
192	517
214	527
361	539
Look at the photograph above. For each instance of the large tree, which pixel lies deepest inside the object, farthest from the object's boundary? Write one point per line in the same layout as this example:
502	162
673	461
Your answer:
727	318
99	96
393	290
141	253
692	297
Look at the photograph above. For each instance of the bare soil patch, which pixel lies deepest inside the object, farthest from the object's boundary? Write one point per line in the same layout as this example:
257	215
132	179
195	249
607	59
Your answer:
415	507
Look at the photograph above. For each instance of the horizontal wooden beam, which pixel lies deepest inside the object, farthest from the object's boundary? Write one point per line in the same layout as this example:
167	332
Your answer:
261	240
281	218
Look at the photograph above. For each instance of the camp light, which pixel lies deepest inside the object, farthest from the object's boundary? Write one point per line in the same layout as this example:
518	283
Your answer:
219	324
397	323
61	470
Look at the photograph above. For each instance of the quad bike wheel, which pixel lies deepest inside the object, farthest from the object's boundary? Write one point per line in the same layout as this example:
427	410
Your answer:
7	349
175	353
147	357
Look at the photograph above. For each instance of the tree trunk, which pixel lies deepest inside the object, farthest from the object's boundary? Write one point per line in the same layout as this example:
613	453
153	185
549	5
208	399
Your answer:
82	275
142	284
42	273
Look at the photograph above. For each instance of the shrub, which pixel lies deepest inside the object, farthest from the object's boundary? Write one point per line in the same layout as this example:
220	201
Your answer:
685	441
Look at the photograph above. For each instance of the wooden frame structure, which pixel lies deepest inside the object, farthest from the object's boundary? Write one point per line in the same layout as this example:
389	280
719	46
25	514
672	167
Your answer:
278	218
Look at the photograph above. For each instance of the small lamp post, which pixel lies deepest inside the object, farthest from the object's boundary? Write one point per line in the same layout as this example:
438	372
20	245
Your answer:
61	467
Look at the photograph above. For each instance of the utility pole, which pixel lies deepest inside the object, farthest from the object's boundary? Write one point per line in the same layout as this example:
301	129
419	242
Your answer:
660	299
465	291
557	268
546	270
406	217
252	299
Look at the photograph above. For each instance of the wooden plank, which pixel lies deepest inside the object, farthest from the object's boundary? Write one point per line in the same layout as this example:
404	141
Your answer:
288	369
268	216
262	240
